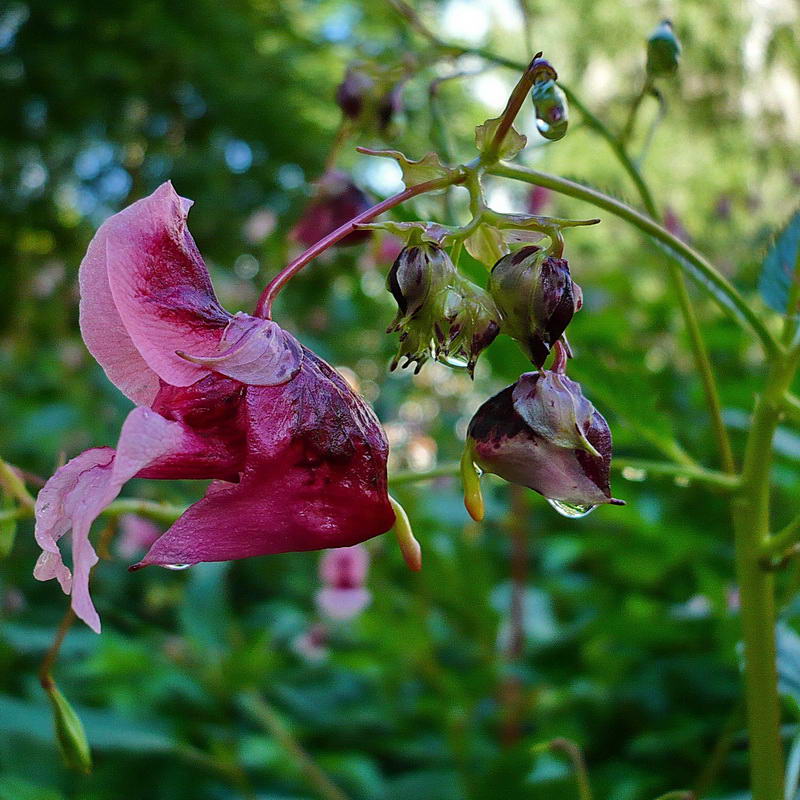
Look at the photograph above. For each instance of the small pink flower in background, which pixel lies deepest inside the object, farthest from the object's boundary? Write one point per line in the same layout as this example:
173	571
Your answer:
336	200
673	223
343	571
136	535
538	199
297	459
313	644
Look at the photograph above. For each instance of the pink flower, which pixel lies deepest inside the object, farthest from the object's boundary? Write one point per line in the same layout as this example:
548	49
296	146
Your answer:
298	460
137	534
343	571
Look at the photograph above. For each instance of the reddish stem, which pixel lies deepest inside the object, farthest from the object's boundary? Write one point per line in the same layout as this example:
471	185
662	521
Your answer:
264	306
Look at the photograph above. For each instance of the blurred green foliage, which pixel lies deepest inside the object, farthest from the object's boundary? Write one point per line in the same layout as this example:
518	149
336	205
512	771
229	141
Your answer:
628	617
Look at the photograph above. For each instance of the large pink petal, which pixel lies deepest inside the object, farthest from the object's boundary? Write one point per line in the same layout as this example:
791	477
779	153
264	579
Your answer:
78	492
315	477
161	286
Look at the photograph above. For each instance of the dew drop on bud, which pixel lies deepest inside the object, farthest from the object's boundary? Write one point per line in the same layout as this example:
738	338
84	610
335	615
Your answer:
456	360
176	567
571	510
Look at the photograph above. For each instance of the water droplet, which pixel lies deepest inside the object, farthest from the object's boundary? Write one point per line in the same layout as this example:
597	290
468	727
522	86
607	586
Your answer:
453	360
634	474
571	510
176	567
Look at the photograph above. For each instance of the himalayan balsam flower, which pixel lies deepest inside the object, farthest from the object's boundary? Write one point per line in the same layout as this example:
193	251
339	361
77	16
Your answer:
297	459
343	571
543	433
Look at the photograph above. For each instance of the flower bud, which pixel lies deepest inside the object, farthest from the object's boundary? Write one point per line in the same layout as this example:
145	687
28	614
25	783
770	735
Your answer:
337	200
544	434
536	297
70	733
552	113
440	313
354	91
663	51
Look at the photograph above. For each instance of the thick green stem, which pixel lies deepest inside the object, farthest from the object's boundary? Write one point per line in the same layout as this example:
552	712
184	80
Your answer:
707	276
751	511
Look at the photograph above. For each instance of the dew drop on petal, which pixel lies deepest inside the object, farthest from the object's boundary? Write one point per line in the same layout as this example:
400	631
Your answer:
571	510
453	360
176	567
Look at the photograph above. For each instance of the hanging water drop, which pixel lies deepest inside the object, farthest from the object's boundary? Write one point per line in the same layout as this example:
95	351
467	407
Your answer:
455	360
176	567
571	510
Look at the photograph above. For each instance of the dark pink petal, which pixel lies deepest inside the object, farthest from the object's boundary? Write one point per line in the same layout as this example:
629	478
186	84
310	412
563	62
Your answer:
342	604
161	287
315	477
149	445
254	351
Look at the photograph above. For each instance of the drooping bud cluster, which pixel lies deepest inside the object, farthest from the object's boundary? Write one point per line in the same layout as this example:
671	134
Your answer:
549	100
536	297
441	314
542	433
663	51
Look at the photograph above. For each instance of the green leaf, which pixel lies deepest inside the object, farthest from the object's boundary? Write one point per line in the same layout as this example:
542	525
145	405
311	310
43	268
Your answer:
14	788
8	533
512	144
426	231
427	168
486	244
780	266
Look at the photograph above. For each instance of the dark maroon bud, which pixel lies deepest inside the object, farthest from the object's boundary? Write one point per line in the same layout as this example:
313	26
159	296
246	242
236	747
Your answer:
354	91
544	434
390	105
536	298
336	201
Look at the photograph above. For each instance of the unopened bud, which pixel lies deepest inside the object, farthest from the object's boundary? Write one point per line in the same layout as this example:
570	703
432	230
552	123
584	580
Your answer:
536	297
663	51
70	733
550	102
354	91
544	434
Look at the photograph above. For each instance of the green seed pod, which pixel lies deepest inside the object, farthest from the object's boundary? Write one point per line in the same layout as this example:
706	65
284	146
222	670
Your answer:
663	51
69	732
552	113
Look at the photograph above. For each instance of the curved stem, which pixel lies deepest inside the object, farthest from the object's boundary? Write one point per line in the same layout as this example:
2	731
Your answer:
264	306
717	285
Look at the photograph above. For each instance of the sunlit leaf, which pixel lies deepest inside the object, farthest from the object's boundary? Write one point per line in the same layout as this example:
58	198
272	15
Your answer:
486	245
427	168
513	142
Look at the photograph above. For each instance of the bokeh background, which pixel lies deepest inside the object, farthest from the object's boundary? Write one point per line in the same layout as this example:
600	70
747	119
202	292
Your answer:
618	631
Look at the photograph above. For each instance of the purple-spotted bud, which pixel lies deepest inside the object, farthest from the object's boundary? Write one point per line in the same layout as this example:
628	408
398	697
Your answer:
536	297
543	433
440	313
336	201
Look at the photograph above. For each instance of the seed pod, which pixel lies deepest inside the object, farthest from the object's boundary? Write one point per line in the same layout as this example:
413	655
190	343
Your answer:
663	51
536	297
544	434
69	732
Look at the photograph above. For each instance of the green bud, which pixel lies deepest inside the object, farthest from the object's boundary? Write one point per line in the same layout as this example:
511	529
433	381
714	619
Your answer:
663	51
70	733
536	297
441	314
552	113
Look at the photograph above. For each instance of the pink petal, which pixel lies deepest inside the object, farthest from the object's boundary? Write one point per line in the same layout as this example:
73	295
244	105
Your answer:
102	328
342	604
79	491
344	567
254	351
161	286
315	477
136	534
